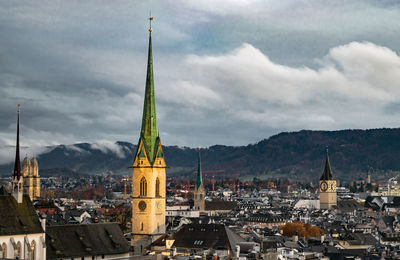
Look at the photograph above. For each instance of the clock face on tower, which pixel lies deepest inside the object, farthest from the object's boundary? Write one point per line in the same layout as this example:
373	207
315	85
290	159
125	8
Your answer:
142	205
333	186
324	186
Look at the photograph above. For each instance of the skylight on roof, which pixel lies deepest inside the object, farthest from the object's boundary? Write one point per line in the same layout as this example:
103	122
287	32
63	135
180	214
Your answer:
198	242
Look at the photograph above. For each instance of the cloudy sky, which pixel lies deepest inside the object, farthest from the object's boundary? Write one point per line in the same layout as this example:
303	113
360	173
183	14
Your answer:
226	72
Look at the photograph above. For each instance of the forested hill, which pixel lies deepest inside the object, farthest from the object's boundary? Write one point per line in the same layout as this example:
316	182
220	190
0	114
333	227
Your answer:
297	155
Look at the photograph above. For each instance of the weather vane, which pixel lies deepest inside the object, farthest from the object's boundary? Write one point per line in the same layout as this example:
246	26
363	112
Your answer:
19	108
150	19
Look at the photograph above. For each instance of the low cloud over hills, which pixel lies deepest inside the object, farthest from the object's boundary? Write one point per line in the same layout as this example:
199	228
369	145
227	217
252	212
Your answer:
296	155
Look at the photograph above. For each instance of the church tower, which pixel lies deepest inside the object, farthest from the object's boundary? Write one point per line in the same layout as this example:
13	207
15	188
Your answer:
30	171
17	179
148	180
327	187
199	193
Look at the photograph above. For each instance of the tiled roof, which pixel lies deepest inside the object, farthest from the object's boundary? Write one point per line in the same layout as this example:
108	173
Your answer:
348	205
208	236
85	240
220	205
17	218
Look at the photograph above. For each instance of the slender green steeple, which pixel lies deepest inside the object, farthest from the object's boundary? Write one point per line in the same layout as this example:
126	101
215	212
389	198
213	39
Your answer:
199	180
149	131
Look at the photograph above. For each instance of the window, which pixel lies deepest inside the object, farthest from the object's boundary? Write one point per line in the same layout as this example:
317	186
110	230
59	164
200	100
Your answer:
33	250
19	249
4	250
157	187
143	187
141	227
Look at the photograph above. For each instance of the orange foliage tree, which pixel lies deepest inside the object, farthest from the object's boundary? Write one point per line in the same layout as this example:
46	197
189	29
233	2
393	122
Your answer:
301	229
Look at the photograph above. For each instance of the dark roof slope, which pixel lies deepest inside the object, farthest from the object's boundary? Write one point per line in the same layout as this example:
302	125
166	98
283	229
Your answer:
327	174
209	236
348	205
18	218
220	205
85	240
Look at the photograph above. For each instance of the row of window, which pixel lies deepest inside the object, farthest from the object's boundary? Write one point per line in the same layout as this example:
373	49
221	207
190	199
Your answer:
18	252
143	187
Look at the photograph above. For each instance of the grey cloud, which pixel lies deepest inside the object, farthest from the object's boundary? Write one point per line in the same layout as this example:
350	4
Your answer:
78	68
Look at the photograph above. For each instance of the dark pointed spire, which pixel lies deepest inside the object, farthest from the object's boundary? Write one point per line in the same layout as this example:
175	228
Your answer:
199	179
17	164
149	131
327	174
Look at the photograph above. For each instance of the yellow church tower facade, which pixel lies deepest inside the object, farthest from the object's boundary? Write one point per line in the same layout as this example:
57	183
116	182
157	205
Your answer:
30	171
327	187
148	180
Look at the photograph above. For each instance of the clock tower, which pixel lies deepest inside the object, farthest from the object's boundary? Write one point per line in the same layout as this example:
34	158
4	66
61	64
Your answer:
327	187
148	180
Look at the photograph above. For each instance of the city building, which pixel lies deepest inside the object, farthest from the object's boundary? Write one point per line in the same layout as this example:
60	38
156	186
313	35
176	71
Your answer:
21	232
148	179
391	188
327	187
204	238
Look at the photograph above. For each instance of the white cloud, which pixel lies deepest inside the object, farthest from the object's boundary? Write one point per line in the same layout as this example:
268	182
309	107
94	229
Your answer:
350	89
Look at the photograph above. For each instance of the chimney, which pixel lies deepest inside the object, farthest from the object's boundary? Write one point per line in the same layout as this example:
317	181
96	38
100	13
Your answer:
237	251
43	223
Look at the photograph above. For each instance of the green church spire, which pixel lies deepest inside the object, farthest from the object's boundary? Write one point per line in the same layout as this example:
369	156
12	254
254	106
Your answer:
149	131
199	180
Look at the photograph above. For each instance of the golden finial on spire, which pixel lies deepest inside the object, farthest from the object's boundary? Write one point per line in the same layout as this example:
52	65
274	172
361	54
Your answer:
19	105
150	19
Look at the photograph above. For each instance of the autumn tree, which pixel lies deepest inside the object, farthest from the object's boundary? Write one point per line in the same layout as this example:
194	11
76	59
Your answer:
301	229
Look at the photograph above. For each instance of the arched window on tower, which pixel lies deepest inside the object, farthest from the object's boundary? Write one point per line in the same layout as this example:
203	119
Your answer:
143	187
157	187
19	250
4	250
33	250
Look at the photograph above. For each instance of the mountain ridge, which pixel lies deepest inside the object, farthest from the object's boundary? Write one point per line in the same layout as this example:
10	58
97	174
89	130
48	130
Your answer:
296	155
